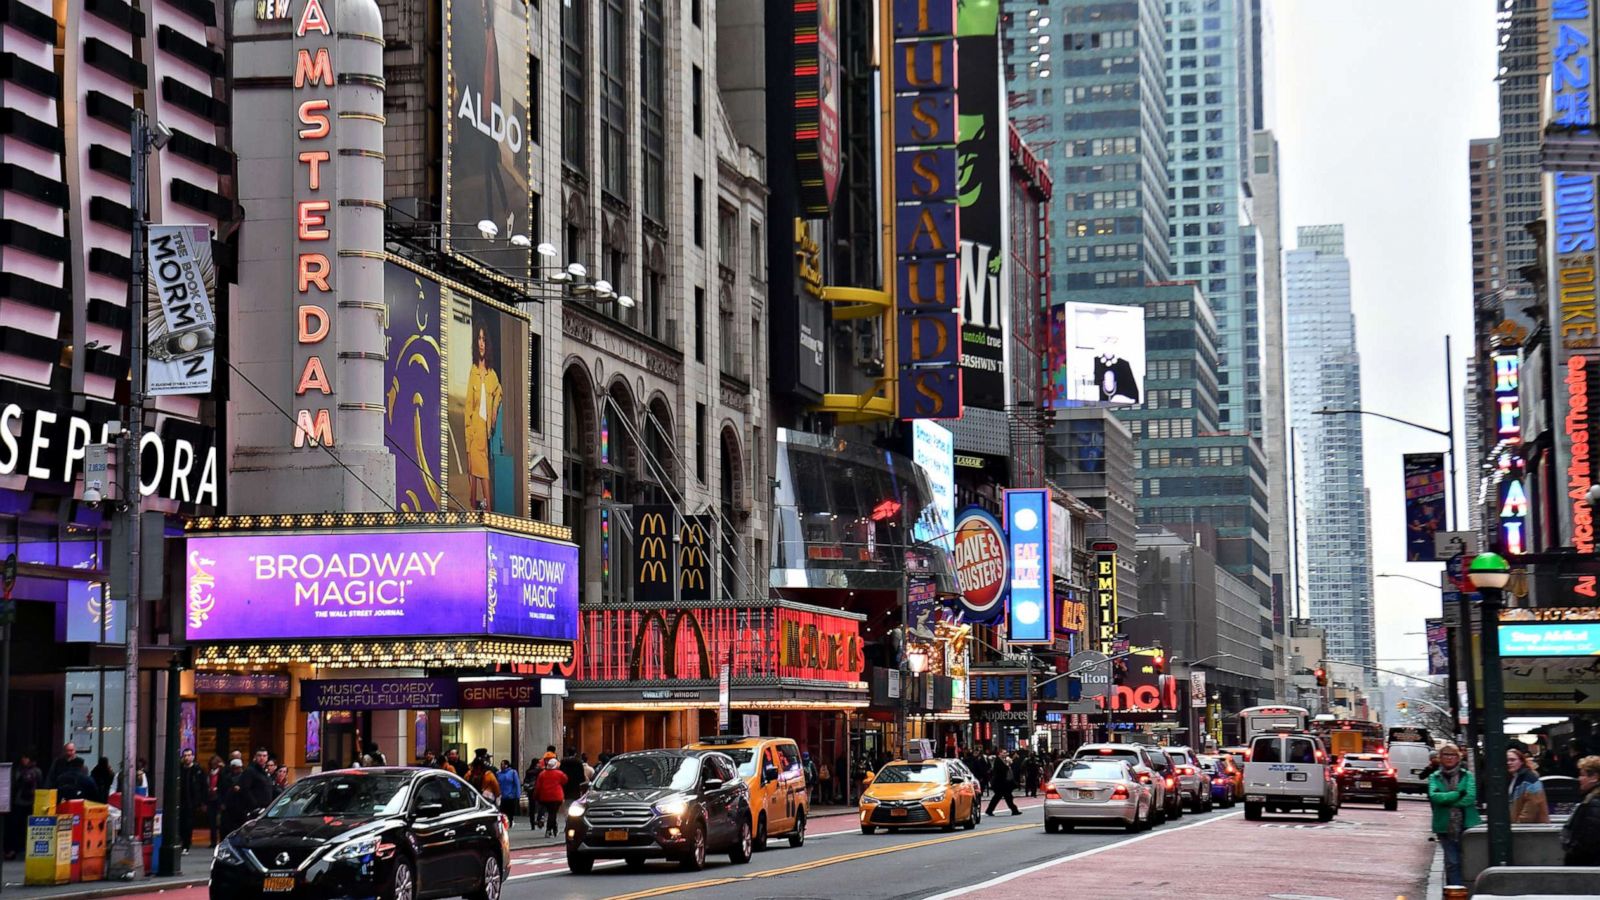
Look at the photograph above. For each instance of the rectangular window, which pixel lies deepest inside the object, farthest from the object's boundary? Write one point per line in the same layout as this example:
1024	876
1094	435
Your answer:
700	441
536	383
756	251
574	88
699	211
652	112
614	98
699	324
535	107
694	12
697	107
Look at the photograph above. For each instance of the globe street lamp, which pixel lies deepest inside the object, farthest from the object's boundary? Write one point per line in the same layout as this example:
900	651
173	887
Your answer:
1489	573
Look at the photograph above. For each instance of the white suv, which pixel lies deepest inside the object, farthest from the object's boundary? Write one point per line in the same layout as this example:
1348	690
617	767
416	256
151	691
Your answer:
1288	770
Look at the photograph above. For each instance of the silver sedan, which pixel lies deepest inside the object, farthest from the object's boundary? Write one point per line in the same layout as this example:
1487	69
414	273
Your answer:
1096	792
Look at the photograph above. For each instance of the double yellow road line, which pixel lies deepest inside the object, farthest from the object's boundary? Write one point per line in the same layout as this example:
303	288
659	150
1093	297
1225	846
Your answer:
825	861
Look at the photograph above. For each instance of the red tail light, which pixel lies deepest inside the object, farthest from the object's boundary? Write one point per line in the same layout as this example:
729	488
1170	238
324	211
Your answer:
1171	783
1144	777
1187	770
1050	792
1338	770
1389	772
1120	792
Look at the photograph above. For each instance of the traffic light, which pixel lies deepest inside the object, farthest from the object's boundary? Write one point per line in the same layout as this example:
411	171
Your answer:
1159	662
1401	706
1322	676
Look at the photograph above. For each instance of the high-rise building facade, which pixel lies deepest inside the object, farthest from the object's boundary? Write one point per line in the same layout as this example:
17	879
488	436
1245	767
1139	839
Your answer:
1209	114
1085	81
1325	372
1489	278
1523	68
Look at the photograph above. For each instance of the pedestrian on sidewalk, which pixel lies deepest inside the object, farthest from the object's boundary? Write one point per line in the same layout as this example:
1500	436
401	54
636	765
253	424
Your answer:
193	788
551	789
981	768
74	783
1030	775
530	784
103	778
1453	793
572	767
1528	802
510	790
1580	837
26	780
214	772
1004	781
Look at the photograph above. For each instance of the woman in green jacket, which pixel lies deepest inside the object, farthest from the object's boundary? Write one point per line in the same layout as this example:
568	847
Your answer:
1454	795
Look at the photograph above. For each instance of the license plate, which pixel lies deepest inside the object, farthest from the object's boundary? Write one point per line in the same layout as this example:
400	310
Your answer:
1297	776
1086	795
1254	798
616	835
897	812
278	883
1363	784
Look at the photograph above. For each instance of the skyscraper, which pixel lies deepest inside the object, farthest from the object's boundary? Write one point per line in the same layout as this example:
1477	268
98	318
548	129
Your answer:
1210	109
1523	67
1085	80
1325	372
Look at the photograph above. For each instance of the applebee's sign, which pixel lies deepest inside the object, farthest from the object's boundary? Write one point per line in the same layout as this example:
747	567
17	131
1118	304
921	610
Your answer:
982	567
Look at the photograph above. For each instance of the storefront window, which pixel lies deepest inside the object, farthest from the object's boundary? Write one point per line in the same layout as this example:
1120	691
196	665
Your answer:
469	730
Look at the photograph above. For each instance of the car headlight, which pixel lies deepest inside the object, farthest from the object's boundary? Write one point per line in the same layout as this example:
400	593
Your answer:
934	798
227	854
358	849
575	811
672	806
869	800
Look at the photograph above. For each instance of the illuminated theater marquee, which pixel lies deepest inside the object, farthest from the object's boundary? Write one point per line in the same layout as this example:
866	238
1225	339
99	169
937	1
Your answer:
314	82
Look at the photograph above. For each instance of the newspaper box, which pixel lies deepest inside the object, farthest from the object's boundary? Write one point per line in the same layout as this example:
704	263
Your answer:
145	819
96	838
44	802
49	850
71	811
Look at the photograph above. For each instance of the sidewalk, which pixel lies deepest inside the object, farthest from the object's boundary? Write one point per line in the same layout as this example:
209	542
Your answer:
198	862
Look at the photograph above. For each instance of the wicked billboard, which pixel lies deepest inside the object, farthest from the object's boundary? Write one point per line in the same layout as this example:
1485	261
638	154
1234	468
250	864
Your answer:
980	182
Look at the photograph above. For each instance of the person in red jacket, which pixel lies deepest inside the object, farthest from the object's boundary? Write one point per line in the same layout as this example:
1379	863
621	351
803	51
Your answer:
551	790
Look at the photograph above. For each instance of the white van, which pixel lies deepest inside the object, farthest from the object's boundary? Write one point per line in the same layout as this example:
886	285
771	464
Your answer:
1289	770
1410	760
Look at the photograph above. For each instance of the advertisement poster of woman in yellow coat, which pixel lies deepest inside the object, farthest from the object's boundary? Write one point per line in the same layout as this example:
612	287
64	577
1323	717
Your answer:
482	414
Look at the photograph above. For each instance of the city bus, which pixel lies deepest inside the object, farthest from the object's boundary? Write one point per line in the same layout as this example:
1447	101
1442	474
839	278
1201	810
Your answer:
1256	719
1351	735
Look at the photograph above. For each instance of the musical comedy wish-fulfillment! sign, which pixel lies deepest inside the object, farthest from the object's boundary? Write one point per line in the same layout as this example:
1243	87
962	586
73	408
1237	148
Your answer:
380	585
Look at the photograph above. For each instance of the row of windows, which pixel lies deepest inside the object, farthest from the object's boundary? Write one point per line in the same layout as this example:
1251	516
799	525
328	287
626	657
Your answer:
1111	118
1192	118
1098	93
1115	278
1095	40
1169	398
1110	65
1212	42
1192	154
1101	252
1100	12
1111	146
1192	229
1105	172
1168	309
1210	247
1168	369
1099	227
1101	200
1212	79
1220	516
1162	428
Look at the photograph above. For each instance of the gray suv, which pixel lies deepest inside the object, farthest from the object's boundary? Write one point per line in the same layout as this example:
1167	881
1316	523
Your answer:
1193	785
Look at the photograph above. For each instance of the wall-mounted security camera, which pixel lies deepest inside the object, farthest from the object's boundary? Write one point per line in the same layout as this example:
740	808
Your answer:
159	135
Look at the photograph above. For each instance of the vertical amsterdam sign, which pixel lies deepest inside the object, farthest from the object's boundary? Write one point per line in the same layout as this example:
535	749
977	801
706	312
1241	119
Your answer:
314	84
927	266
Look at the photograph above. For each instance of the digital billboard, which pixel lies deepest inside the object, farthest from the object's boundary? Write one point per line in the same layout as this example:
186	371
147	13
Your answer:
933	448
1549	639
816	103
487	167
1096	355
1029	617
486	347
315	585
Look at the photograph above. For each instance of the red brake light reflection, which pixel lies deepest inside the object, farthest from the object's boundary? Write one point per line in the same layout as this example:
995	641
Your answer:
1120	792
1105	751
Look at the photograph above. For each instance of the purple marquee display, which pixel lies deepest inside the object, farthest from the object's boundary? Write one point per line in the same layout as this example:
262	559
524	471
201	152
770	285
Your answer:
380	585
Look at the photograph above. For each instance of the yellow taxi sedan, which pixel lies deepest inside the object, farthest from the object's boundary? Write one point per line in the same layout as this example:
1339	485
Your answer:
937	793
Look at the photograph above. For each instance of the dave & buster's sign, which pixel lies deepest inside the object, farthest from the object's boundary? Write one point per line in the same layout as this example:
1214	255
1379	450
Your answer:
983	569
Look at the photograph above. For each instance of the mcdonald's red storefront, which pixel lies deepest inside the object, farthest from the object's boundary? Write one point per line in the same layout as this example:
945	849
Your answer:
654	674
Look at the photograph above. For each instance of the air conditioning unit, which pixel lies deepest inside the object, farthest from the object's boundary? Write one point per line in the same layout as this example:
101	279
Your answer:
868	345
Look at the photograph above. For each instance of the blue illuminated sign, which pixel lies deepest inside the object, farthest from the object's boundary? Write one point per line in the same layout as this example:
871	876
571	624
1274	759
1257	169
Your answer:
1029	618
1550	638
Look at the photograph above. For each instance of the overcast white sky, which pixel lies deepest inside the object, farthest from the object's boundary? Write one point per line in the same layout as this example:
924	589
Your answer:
1373	105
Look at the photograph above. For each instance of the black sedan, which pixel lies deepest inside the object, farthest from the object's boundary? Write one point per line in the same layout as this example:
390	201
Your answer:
654	804
395	833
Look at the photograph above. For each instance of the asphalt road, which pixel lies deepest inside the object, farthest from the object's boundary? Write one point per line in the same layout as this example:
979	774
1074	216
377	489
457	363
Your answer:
839	861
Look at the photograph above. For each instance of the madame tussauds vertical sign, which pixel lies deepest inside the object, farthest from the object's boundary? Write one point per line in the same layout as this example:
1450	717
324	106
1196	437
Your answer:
314	85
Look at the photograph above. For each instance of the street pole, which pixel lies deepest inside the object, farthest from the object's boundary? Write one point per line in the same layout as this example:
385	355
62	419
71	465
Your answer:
171	862
1450	429
905	664
1494	732
127	853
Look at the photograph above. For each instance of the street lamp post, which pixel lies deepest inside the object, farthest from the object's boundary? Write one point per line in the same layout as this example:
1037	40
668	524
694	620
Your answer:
1489	573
